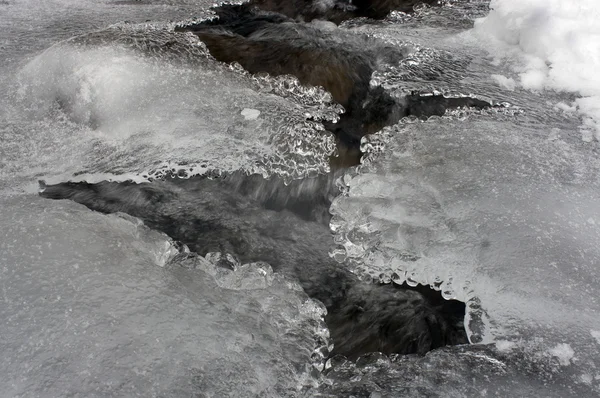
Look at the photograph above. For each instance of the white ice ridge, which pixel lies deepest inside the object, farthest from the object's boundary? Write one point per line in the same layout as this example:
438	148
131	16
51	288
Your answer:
552	44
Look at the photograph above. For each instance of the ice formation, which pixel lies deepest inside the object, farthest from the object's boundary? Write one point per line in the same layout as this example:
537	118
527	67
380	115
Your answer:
456	372
139	101
498	211
97	305
490	214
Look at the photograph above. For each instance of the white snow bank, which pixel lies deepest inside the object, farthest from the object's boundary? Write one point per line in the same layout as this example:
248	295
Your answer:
554	44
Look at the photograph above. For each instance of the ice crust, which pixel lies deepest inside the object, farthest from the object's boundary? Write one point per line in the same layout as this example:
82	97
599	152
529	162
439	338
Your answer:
551	44
496	214
142	102
457	372
96	305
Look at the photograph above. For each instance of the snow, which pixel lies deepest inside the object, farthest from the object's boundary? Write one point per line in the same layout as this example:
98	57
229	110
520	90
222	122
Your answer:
596	335
506	82
504	346
551	44
250	114
564	353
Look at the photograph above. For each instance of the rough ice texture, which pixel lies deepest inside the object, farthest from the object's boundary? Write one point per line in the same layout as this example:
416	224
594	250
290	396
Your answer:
496	214
95	305
140	100
457	372
553	44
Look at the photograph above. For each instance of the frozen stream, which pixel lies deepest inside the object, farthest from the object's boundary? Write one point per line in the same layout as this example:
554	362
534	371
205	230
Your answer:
497	208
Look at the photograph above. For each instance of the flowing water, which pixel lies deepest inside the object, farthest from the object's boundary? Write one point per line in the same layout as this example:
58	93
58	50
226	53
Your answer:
497	208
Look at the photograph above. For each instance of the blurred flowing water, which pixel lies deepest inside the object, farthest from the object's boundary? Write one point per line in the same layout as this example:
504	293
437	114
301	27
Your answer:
497	208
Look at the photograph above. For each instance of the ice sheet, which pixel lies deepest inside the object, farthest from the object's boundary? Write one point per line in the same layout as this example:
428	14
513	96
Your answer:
95	305
500	215
458	372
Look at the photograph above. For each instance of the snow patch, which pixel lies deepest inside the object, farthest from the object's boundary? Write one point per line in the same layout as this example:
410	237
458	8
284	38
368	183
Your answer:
596	335
505	82
586	379
504	345
551	44
250	114
563	352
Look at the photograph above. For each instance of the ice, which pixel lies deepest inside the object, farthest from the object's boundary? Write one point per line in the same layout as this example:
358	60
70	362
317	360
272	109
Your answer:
551	44
95	305
492	213
139	102
457	372
501	213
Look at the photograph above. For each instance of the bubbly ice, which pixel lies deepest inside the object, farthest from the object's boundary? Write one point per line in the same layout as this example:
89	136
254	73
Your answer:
90	307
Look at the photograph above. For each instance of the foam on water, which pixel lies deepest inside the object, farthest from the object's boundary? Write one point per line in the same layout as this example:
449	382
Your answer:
550	44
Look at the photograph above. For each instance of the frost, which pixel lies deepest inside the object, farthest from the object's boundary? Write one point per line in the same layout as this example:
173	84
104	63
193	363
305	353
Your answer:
564	353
